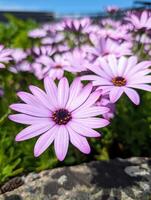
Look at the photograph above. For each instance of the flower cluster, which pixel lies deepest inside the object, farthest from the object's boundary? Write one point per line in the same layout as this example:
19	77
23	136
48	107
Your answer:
5	56
112	55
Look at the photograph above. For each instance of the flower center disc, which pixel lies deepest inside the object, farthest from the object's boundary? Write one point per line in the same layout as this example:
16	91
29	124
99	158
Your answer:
61	116
58	66
119	81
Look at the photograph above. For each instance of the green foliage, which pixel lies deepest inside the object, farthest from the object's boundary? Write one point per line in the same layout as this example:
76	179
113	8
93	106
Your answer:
14	33
131	128
128	134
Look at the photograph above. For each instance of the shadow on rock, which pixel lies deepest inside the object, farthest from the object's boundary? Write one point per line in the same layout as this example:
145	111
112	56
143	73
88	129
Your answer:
112	174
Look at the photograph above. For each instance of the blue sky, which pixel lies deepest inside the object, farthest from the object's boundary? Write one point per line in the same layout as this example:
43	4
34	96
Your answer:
62	6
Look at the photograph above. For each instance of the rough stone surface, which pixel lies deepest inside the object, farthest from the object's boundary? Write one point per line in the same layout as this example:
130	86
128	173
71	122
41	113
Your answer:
120	179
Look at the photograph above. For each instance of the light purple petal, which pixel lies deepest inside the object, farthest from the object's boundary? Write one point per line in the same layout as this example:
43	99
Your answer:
59	73
115	94
144	17
83	130
51	90
140	80
105	66
105	89
41	96
122	65
90	78
33	131
130	63
90	101
81	98
63	92
113	64
101	81
31	110
29	99
90	112
45	141
2	66
141	87
96	69
92	122
139	75
133	95
74	91
140	66
61	143
26	119
79	141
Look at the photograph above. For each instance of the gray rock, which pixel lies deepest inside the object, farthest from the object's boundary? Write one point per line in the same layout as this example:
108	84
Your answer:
119	179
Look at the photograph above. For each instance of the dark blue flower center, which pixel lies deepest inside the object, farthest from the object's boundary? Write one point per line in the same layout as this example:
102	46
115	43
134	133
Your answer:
119	81
61	116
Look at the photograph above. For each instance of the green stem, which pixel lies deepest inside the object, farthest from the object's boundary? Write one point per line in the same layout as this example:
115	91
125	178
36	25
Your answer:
3	118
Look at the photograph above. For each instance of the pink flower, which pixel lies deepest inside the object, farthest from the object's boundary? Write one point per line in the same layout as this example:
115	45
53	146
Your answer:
106	46
62	48
105	101
5	56
54	39
76	61
56	67
59	115
140	22
37	69
41	60
18	55
37	33
75	25
118	76
112	9
120	33
108	22
43	54
50	28
23	66
143	38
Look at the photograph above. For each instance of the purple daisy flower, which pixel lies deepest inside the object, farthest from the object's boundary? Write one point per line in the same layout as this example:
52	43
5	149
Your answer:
56	67
140	21
112	9
20	61
43	54
37	33
54	39
22	66
105	101
62	48
106	46
57	117
76	60
121	33
75	25
19	55
108	22
143	38
50	28
5	56
118	76
41	60
37	69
